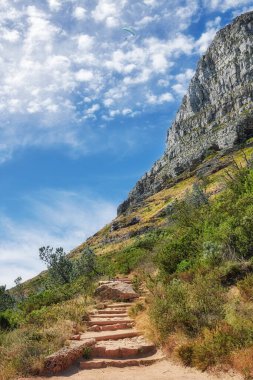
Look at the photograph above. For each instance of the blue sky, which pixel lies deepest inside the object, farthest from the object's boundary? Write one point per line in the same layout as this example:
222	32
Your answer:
84	110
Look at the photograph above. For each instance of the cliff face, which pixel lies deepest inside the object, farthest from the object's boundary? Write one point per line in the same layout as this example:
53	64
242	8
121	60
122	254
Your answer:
216	113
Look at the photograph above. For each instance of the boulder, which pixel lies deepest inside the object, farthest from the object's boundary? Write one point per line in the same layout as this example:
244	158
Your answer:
116	290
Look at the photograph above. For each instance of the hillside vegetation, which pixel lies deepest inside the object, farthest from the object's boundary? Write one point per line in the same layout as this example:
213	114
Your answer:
190	245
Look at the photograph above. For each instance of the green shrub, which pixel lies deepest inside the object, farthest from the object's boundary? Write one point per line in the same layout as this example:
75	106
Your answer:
216	344
46	298
10	319
184	265
136	309
246	288
87	351
187	307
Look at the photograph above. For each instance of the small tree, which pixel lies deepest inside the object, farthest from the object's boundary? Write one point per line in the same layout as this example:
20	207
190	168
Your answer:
86	265
59	265
19	289
197	197
6	301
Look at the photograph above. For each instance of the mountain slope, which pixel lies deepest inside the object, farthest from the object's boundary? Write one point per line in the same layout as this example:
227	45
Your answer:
152	213
216	113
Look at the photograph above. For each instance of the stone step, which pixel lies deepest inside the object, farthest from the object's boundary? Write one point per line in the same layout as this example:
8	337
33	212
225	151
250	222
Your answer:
118	326
120	363
104	311
118	305
114	335
100	322
109	316
125	281
123	348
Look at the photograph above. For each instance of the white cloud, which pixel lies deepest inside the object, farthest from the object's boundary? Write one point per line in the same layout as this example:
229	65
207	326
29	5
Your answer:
150	2
159	99
112	22
79	13
182	80
85	42
207	37
163	82
147	20
224	5
92	110
117	112
50	61
51	223
114	113
126	111
104	9
245	9
55	5
10	35
84	75
159	62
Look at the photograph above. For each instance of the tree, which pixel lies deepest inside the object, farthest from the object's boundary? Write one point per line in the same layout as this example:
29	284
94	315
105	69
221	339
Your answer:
59	265
197	197
6	301
86	264
19	290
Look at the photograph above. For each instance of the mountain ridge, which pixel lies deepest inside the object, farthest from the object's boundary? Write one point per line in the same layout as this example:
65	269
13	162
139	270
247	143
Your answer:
215	113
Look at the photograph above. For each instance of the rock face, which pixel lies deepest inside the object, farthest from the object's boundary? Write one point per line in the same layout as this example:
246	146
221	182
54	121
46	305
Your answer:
116	290
216	113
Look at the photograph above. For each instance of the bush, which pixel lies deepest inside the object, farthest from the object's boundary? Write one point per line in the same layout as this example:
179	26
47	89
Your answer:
246	288
215	345
6	300
136	309
46	298
242	361
4	323
10	319
58	263
185	353
188	307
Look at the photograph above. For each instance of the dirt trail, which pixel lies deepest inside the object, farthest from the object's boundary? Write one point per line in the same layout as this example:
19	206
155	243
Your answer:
119	344
164	370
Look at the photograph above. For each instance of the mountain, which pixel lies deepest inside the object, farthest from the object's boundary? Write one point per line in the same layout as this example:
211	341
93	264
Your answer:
184	236
216	114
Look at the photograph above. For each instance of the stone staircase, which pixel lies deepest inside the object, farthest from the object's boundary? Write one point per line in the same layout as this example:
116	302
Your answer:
117	342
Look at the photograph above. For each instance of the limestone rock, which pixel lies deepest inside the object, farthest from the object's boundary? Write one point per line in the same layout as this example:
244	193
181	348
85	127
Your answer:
116	290
216	113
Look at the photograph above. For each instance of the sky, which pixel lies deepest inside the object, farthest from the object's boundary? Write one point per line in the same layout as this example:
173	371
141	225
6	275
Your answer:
84	110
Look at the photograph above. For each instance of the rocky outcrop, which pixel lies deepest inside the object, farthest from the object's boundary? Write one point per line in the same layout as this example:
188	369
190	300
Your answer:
116	290
118	225
216	113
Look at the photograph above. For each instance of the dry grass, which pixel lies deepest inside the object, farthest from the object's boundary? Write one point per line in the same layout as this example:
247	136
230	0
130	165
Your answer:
145	327
242	361
22	351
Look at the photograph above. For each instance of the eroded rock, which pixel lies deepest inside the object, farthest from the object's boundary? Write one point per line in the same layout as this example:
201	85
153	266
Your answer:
116	290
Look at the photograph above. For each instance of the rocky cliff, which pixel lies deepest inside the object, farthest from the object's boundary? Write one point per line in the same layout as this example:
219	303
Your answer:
216	113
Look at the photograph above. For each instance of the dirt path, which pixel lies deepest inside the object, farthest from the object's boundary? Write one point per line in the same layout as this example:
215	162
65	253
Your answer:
164	370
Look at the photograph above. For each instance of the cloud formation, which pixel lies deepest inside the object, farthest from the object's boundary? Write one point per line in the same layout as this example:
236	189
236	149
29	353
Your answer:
57	54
